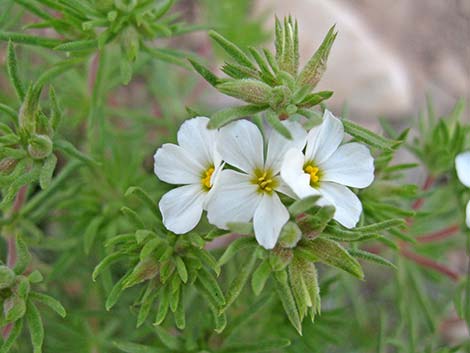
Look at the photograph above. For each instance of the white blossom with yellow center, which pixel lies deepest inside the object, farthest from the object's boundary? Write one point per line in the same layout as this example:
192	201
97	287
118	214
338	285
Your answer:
194	163
462	165
251	191
327	168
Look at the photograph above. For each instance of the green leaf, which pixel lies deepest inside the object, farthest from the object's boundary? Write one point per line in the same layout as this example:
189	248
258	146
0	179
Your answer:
116	291
273	119
163	306
316	66
310	276
303	205
260	276
77	45
298	286
105	263
29	40
146	304
12	337
48	167
133	217
91	232
23	256
368	137
330	253
240	280
36	328
371	257
72	151
224	116
12	69
209	282
287	299
261	346
144	197
55	71
236	246
236	53
51	302
181	269
205	72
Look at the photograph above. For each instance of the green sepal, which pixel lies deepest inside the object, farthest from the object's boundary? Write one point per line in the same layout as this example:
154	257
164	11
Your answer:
316	66
224	116
330	253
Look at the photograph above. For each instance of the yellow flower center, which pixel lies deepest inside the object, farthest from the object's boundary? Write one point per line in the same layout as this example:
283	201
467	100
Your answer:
314	174
206	178
265	181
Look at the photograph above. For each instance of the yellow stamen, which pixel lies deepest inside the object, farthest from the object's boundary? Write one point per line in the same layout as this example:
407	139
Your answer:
265	181
206	178
314	174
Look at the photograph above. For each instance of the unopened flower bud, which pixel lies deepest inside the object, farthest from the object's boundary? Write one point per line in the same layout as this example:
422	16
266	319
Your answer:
290	235
249	90
313	225
14	308
130	42
7	165
40	146
22	286
280	96
7	277
280	258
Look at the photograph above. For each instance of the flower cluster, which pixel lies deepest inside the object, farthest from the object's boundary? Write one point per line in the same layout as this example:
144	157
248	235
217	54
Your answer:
462	165
237	175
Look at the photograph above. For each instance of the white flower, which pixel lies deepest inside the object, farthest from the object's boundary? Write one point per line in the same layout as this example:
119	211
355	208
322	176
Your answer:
251	193
326	169
193	163
462	165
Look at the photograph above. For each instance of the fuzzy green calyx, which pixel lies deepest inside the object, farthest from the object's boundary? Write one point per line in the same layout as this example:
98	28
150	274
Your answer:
7	277
290	235
39	146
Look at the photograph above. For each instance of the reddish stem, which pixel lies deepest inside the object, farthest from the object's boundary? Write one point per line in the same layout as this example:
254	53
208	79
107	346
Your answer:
439	235
431	264
426	186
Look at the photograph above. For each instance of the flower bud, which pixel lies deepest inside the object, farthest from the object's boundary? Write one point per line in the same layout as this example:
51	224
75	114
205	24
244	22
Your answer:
280	258
7	165
40	146
280	96
14	308
28	110
130	42
7	277
313	225
249	90
145	269
290	235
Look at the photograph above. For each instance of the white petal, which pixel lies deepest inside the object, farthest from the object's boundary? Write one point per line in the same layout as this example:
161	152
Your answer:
270	217
351	164
174	165
324	139
462	164
292	173
234	199
181	208
278	145
468	214
198	141
214	181
241	145
347	204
